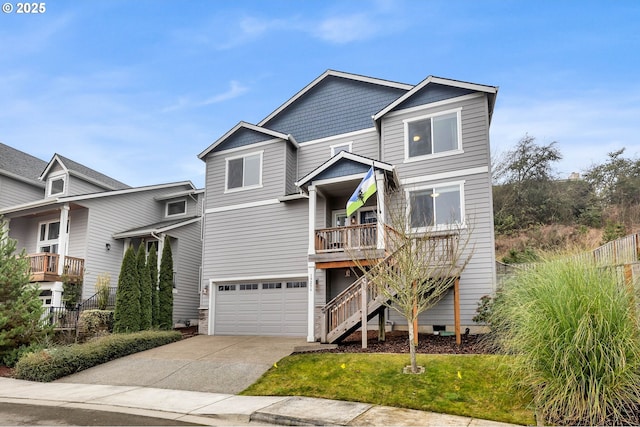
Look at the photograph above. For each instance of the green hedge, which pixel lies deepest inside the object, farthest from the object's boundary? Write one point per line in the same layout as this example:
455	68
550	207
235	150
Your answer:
51	364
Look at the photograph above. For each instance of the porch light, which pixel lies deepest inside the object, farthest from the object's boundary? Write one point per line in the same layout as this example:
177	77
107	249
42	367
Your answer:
416	138
108	246
434	194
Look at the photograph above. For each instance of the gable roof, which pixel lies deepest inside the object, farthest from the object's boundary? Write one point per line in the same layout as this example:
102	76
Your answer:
68	199
20	165
83	172
433	80
334	103
344	155
334	73
247	126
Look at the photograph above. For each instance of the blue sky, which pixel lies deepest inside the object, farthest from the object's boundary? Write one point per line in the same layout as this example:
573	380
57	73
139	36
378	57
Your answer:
137	89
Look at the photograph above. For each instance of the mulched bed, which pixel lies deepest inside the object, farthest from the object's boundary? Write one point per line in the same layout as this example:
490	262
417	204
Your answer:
5	372
398	342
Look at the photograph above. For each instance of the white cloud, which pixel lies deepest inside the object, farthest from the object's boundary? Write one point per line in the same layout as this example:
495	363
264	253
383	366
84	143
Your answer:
346	29
586	127
235	90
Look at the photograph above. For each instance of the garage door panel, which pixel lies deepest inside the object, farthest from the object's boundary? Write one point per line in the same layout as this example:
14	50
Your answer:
275	311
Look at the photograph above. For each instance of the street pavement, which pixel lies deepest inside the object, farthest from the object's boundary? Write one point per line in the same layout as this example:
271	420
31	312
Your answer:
196	380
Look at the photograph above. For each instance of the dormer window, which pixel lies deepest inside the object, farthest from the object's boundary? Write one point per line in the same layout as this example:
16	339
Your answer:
57	185
175	208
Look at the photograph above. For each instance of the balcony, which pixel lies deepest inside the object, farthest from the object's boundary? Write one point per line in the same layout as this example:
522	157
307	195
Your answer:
44	268
338	246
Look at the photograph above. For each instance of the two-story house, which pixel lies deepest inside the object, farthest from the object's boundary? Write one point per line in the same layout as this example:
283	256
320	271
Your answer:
81	222
278	244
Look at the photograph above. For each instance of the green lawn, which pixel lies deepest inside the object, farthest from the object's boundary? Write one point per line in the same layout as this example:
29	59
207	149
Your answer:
469	385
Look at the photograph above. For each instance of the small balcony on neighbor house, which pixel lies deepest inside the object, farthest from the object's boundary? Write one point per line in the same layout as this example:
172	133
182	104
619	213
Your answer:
45	267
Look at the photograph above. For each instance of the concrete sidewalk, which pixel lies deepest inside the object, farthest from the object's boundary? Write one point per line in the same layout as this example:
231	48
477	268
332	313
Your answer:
216	408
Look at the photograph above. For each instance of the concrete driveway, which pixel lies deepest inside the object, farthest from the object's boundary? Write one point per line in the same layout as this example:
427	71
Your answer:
215	364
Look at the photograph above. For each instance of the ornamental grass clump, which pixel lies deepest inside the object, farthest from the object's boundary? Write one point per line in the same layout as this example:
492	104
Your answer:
572	328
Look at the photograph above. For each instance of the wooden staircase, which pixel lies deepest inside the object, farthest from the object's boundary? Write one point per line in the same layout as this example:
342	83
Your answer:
361	301
343	315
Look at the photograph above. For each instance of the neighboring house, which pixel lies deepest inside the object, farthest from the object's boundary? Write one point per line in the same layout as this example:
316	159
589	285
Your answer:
19	173
82	222
275	225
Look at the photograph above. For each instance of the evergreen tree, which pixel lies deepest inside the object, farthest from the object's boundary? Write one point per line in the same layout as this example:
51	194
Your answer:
127	312
165	292
152	264
145	290
21	310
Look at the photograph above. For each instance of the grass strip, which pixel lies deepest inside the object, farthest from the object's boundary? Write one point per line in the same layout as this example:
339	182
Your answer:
469	385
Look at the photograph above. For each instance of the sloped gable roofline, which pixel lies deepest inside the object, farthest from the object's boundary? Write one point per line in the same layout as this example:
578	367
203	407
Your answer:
343	155
57	158
438	80
65	199
156	228
326	74
254	128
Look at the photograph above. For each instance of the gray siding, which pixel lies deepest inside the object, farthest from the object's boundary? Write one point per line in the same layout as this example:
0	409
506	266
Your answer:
478	278
334	106
475	137
77	186
273	177
13	192
291	154
312	155
186	250
265	241
109	215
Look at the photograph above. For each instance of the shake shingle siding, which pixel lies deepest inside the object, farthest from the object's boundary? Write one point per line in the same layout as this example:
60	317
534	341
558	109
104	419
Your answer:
432	93
241	138
335	106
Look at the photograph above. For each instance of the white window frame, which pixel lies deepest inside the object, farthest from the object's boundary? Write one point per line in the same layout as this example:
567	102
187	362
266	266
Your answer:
435	187
407	122
166	208
342	144
247	187
47	241
54	178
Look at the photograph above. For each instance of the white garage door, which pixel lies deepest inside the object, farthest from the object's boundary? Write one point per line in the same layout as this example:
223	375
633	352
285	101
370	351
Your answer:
263	308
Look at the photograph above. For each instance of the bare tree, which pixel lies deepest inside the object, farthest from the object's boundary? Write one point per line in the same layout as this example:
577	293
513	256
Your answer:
419	269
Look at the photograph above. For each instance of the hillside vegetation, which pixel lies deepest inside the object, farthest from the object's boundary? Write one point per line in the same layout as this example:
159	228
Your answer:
535	211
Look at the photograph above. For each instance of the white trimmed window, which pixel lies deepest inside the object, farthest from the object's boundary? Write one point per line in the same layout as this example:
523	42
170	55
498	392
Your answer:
335	149
433	136
244	172
48	237
176	208
435	207
57	185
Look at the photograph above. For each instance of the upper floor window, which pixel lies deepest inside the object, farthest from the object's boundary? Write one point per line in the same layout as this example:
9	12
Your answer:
48	236
57	185
433	135
244	172
435	207
335	149
178	207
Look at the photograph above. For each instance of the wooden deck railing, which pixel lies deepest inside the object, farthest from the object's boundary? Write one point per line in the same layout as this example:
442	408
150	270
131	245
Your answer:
44	267
339	239
345	311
